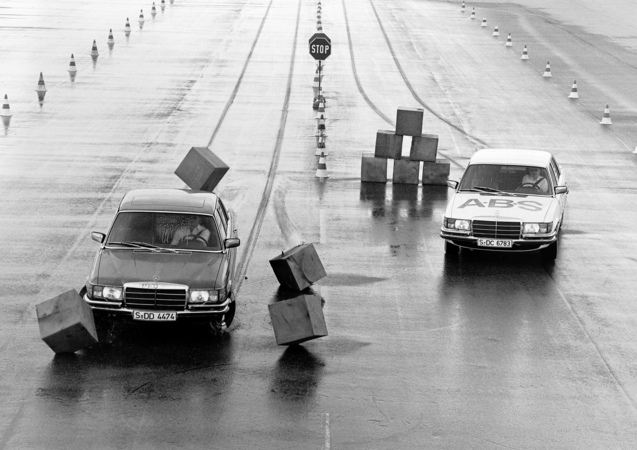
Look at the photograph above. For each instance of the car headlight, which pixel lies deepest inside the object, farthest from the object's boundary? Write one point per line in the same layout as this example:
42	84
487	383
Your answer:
106	292
457	224
203	296
537	227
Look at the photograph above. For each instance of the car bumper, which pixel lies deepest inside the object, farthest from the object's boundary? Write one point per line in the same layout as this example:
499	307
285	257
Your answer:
195	314
519	245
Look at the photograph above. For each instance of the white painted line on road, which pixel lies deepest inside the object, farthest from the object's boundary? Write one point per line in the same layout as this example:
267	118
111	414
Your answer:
327	431
322	226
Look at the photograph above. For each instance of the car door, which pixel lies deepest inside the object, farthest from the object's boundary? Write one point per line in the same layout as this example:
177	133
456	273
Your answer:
227	230
561	181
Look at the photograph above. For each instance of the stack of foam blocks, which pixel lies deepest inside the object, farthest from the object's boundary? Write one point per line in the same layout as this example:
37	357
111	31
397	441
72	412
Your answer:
300	318
389	145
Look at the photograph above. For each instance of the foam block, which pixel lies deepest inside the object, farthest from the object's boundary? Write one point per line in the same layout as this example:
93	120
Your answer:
388	144
424	148
201	169
297	320
406	171
298	267
66	323
373	169
409	121
436	173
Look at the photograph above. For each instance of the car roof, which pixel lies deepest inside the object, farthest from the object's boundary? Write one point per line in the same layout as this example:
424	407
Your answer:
515	157
171	200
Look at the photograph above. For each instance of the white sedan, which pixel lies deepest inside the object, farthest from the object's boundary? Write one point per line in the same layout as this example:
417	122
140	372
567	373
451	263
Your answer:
507	200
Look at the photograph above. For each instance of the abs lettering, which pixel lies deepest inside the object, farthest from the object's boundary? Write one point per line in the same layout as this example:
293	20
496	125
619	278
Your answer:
530	205
472	202
501	203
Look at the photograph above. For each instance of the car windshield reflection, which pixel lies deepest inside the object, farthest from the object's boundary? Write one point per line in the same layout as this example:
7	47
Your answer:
506	179
164	230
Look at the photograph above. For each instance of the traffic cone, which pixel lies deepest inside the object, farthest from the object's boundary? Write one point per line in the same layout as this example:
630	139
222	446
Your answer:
319	28
462	7
72	66
525	53
320	124
496	32
473	13
94	52
320	146
315	85
484	22
41	89
5	112
163	5
574	93
321	170
509	42
321	111
127	27
141	19
606	119
110	41
547	70
153	11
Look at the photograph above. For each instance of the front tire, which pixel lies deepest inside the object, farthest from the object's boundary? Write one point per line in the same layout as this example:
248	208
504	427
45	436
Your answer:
451	249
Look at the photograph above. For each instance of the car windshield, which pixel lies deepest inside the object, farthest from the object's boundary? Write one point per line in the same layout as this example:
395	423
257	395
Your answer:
496	178
164	230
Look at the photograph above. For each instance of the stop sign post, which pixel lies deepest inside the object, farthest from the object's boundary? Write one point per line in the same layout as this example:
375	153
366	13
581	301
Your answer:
320	49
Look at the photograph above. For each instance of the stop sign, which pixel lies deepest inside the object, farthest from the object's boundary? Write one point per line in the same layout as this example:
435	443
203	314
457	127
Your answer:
320	46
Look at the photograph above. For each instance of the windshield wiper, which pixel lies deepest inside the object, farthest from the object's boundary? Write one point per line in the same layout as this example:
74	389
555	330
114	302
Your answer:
144	245
495	191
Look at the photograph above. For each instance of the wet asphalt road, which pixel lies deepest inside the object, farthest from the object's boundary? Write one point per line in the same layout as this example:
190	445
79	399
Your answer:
480	351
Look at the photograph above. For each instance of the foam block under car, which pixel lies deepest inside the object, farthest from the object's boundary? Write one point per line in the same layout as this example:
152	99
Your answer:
66	323
298	267
201	169
297	320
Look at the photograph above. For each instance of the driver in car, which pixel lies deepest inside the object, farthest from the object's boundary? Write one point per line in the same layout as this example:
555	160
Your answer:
534	178
196	231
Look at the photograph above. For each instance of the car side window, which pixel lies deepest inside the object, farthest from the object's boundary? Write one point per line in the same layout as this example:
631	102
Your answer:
222	224
552	175
222	218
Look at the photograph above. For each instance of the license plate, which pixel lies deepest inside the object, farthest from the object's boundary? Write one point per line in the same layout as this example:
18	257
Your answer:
155	316
498	243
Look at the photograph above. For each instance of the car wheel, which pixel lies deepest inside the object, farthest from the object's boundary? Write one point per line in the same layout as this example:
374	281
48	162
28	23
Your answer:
549	253
451	249
217	327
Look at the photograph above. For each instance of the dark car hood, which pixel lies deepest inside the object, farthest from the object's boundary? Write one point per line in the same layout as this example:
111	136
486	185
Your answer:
198	270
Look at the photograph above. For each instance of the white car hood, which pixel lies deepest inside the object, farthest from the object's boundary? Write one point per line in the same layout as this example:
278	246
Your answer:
473	205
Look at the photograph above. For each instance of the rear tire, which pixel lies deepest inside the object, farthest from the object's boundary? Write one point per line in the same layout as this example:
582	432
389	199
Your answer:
451	249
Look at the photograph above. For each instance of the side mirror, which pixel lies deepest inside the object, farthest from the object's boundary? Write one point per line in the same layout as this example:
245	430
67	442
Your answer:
561	190
232	242
97	236
452	184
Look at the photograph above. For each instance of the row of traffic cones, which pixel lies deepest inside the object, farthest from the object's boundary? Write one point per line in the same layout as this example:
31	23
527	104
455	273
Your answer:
319	104
547	69
41	90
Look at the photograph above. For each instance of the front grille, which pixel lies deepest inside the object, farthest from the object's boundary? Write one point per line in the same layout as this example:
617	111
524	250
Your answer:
160	298
496	230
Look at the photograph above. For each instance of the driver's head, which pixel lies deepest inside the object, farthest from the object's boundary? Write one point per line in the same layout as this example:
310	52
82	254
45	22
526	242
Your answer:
534	171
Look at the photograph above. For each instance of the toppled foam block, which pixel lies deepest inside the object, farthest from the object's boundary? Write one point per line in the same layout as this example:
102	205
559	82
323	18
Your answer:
66	323
424	148
297	320
298	267
388	144
406	171
409	121
373	169
201	169
436	173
